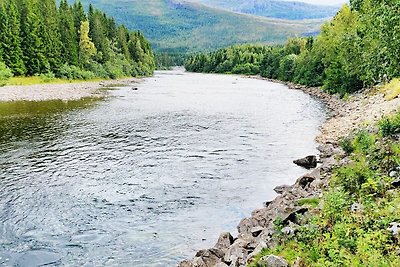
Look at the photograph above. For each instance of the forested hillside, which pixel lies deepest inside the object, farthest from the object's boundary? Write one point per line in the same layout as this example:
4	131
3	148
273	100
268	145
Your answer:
359	48
37	37
181	26
274	8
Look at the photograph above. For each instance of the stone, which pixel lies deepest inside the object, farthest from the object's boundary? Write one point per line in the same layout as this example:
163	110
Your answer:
272	261
308	162
305	180
356	207
393	174
396	183
394	228
237	254
280	189
205	258
256	231
224	241
221	264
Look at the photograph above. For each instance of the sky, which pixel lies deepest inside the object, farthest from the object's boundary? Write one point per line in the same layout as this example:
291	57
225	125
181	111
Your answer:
323	2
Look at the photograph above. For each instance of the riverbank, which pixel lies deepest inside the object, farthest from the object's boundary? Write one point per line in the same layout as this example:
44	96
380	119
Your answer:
259	232
64	91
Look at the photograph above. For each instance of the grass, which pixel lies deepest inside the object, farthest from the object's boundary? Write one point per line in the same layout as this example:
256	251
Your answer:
19	81
392	89
312	202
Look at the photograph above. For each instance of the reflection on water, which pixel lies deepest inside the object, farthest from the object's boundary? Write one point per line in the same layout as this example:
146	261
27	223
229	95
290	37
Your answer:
145	177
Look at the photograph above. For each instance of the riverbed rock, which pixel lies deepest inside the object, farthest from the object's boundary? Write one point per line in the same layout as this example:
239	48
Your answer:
272	261
308	162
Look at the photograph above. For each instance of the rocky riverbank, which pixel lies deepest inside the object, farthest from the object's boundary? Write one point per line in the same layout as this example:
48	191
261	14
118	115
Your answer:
65	92
257	231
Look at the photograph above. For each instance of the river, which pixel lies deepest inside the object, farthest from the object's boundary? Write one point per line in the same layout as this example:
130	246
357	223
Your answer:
146	177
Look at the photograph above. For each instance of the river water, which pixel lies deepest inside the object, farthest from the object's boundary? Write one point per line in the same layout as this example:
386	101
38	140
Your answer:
145	177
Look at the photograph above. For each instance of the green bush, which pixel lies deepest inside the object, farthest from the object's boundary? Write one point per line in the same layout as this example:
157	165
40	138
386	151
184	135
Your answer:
47	77
5	74
346	144
390	126
75	73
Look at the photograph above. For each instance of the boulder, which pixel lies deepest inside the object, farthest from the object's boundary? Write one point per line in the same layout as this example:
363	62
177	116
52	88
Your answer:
206	258
308	162
280	189
224	241
256	231
272	261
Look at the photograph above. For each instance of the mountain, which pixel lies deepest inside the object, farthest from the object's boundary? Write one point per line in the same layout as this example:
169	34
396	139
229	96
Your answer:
183	26
274	8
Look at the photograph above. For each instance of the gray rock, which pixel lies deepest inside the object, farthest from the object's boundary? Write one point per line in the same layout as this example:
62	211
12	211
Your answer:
256	231
308	162
394	228
206	258
281	188
272	261
224	241
305	180
356	207
393	174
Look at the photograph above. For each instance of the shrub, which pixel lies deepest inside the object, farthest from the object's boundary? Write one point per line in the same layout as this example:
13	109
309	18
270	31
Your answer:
75	73
390	126
47	77
5	74
346	144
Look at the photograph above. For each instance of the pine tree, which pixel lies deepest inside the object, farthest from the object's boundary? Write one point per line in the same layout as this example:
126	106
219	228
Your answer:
69	48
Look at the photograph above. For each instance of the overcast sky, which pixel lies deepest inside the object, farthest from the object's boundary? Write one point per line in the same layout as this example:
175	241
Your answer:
324	2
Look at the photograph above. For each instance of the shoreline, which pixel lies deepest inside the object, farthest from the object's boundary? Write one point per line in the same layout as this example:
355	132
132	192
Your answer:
63	91
256	232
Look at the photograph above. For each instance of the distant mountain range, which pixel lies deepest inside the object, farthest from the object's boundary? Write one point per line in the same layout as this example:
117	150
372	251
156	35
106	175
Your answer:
274	8
190	26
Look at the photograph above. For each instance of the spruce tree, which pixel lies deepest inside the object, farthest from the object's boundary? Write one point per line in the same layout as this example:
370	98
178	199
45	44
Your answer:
69	48
49	33
32	45
79	17
10	42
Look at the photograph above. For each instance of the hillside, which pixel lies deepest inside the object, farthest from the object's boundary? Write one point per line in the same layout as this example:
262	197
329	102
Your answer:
181	26
274	8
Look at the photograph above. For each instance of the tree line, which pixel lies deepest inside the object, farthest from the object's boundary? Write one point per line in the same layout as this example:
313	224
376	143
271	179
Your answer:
359	48
39	37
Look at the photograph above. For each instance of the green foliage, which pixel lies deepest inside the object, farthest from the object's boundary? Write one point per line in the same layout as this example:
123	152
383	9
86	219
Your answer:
5	74
357	49
346	144
37	38
350	227
390	126
47	77
75	73
312	202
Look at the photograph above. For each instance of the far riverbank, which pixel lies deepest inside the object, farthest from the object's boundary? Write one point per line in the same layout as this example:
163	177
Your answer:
65	91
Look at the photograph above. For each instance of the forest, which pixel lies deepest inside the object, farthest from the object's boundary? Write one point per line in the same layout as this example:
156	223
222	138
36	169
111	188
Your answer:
359	48
37	37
